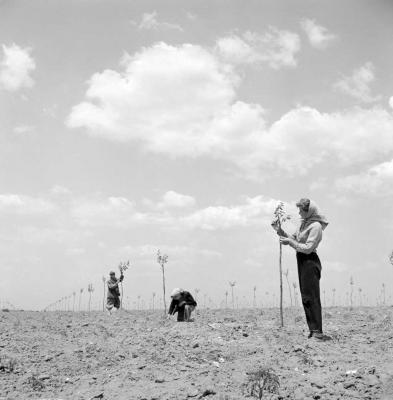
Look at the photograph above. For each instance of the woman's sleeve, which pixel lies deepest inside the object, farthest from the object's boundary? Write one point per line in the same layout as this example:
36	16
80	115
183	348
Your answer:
313	239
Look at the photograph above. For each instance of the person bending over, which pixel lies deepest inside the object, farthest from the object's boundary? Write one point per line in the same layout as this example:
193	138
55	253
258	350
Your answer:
183	304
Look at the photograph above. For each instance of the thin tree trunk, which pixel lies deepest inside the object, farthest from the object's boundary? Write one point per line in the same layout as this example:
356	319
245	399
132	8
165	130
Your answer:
289	288
103	300
163	287
121	297
281	310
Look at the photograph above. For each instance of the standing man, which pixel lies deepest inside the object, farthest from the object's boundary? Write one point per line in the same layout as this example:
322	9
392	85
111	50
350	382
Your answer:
113	296
183	304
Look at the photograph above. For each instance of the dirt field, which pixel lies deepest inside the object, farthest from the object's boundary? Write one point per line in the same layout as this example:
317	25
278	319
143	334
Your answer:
60	355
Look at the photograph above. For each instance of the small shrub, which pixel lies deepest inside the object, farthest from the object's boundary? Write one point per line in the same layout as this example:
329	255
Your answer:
35	383
261	381
7	364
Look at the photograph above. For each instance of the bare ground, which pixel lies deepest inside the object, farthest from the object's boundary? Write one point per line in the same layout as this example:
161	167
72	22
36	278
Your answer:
140	355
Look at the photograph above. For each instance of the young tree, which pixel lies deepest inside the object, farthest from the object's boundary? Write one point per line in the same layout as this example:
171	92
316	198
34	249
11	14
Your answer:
351	282
289	286
295	293
103	299
383	294
232	285
123	266
73	302
162	259
334	297
280	216
226	299
80	298
360	296
254	300
139	302
196	294
154	296
90	289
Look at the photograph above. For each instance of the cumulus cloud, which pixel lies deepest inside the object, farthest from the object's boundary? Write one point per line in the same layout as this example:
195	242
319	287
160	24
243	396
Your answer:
358	84
376	181
276	48
391	102
15	204
318	36
112	211
254	211
181	101
172	199
23	129
149	21
16	66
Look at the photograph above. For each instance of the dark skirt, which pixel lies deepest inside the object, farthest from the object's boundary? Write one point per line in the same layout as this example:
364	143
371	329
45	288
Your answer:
309	270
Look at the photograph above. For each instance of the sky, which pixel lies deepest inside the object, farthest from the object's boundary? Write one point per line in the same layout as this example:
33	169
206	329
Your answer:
132	126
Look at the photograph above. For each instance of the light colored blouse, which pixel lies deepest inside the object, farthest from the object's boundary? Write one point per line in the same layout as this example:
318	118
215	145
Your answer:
306	240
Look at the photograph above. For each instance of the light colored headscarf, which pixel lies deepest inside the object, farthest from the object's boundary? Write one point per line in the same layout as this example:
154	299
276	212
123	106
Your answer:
176	291
313	215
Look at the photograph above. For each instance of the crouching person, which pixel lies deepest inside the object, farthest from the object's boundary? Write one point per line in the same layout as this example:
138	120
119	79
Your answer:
183	304
113	294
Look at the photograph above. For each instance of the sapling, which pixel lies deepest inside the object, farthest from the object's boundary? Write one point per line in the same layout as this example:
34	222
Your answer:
196	294
295	292
351	282
123	266
154	296
280	216
80	298
162	259
103	299
73	302
90	289
289	286
226	299
232	285
254	300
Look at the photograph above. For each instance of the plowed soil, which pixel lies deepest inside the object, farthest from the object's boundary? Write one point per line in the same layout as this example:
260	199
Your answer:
141	355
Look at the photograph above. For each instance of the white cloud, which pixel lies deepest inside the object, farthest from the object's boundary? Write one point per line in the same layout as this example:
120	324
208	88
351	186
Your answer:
318	36
112	211
173	199
149	21
15	68
254	211
376	181
358	84
277	48
23	129
181	101
25	205
391	102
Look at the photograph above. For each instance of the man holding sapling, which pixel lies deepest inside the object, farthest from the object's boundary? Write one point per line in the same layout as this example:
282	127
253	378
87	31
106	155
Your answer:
113	294
183	304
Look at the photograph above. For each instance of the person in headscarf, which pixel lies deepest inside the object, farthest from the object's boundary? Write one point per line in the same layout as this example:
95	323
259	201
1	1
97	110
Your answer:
113	293
183	304
305	241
